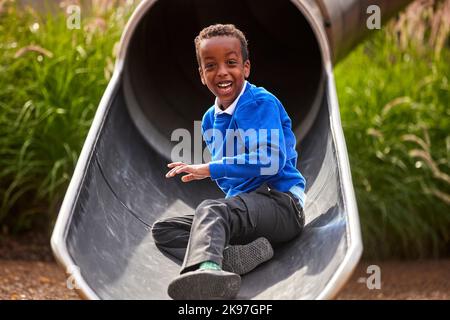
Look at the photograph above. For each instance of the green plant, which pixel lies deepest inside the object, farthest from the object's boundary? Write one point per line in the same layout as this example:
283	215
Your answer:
396	120
51	81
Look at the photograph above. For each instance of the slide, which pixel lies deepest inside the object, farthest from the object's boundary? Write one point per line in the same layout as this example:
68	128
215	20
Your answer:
102	236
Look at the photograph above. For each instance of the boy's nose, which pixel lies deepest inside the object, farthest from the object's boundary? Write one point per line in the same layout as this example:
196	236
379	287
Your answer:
222	71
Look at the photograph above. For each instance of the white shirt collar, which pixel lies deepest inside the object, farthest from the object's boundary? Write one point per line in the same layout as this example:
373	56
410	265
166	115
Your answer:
232	106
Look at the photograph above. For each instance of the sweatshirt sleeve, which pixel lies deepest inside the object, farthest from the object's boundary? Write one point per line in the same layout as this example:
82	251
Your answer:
262	150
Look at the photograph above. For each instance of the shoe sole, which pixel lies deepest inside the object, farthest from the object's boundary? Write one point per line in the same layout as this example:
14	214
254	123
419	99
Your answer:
242	259
208	284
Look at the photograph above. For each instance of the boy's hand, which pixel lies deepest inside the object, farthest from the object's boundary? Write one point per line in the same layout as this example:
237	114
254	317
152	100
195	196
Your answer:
195	171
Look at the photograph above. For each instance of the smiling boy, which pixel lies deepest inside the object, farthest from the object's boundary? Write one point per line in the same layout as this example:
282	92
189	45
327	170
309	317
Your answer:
264	191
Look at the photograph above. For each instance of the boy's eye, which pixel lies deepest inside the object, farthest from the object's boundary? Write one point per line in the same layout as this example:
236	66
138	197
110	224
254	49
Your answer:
232	62
209	65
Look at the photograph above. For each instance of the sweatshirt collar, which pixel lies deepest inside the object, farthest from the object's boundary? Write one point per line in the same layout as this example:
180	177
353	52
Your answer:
232	106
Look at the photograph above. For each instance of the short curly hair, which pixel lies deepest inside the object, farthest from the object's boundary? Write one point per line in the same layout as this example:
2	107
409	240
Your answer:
217	30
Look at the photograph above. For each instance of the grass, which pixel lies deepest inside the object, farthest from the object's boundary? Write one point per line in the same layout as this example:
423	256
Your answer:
394	95
51	81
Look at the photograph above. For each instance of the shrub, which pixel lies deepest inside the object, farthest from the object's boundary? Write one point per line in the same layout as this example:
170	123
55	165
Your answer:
394	97
51	81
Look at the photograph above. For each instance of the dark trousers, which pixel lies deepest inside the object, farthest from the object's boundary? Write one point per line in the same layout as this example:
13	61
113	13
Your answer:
218	223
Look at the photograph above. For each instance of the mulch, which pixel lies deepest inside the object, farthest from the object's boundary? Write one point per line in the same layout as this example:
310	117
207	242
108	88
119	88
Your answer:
401	280
29	271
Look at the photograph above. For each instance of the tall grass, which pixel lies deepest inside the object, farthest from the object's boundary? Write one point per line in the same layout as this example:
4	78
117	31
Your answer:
394	96
51	81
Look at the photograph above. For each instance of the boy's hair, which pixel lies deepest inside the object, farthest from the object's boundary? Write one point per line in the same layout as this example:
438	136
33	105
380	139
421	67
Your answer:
217	30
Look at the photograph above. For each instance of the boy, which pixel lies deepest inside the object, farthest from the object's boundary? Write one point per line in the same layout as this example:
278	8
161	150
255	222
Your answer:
264	199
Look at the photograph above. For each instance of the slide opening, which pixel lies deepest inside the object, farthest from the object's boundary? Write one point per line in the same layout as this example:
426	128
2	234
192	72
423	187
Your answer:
162	86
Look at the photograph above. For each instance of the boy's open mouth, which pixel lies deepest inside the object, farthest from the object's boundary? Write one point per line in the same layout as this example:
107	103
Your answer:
225	87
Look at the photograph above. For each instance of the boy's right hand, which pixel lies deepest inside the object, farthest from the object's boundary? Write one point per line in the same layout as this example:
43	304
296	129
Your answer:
195	171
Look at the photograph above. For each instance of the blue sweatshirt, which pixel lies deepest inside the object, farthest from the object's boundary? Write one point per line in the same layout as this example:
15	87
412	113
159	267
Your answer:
253	145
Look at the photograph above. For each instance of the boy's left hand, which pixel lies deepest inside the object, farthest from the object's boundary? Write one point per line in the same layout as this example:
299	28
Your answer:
195	171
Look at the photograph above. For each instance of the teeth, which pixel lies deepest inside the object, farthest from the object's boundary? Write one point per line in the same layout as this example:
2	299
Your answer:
224	85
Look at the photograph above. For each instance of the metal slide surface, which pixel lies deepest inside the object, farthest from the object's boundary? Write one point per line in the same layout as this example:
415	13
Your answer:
102	236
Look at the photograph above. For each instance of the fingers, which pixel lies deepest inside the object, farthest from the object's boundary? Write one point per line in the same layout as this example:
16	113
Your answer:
177	168
172	172
175	164
190	177
185	168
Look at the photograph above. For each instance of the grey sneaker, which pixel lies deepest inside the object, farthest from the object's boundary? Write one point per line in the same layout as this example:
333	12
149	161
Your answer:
205	284
242	259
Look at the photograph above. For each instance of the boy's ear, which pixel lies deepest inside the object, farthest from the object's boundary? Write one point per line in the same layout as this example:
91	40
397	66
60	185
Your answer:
247	68
200	71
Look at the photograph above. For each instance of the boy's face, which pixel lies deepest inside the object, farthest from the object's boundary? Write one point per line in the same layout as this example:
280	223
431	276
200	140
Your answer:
222	69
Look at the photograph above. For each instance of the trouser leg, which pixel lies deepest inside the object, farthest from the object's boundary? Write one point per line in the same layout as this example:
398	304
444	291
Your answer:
235	220
172	234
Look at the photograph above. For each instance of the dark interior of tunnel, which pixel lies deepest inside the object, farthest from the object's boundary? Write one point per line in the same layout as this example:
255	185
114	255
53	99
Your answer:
161	71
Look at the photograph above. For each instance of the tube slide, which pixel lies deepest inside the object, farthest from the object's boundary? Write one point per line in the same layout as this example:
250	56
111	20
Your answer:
102	236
